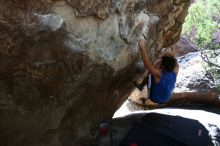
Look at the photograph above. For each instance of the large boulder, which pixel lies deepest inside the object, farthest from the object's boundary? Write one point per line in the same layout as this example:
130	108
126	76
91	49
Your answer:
192	76
66	65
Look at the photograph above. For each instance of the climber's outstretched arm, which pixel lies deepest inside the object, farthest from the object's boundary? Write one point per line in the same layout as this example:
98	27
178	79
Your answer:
155	72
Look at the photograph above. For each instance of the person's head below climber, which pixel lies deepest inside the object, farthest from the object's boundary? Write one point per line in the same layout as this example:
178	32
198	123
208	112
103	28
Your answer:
168	63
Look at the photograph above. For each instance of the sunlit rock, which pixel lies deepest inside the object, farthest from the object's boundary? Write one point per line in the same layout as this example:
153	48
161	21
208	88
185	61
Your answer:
192	75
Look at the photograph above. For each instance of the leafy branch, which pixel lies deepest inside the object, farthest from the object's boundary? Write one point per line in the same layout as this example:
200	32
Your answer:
207	60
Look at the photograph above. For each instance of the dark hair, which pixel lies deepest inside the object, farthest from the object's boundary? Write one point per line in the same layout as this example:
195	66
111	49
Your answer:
168	63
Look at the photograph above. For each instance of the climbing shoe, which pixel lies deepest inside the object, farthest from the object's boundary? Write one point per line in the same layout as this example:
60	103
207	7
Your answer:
138	85
143	99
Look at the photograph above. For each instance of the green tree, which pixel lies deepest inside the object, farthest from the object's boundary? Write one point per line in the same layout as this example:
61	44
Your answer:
200	24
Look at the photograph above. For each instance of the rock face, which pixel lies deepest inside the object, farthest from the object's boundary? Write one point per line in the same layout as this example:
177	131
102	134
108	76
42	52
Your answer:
66	65
182	47
189	79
